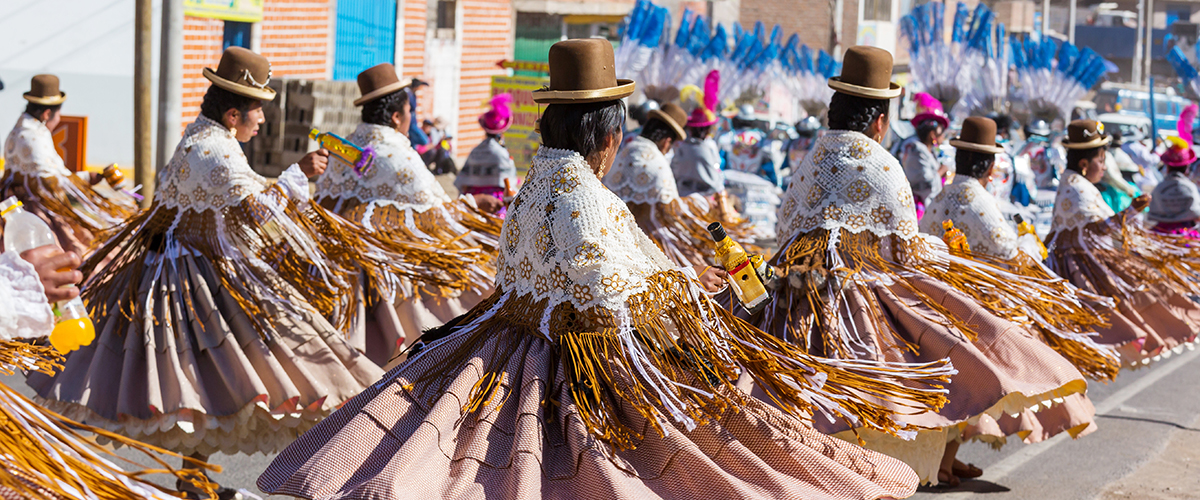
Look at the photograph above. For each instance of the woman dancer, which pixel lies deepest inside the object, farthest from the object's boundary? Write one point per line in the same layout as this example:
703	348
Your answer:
1064	316
595	370
210	306
489	169
641	175
1150	275
861	283
36	175
401	202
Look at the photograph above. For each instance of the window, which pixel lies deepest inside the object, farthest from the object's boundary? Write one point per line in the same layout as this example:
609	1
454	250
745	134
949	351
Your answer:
237	34
877	10
365	35
445	14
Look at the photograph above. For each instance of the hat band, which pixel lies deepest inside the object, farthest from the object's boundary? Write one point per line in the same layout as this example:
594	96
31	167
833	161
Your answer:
248	79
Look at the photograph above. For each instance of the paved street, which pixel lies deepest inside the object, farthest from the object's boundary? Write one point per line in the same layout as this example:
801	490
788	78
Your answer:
1147	447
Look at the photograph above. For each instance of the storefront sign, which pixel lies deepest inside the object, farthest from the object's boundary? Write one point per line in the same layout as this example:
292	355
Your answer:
521	139
245	11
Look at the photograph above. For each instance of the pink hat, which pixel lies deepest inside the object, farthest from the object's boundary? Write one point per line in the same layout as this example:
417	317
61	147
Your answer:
704	116
929	108
926	102
936	114
496	120
1180	154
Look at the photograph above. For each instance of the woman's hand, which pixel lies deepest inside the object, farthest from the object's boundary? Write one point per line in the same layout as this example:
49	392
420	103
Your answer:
55	269
314	163
488	203
713	279
1140	203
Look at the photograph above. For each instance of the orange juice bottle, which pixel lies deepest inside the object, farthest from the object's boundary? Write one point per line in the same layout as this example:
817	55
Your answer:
25	231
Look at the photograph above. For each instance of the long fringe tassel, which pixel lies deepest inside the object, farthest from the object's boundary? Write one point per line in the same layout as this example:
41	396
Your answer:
1020	292
258	242
674	354
682	230
47	458
453	227
74	200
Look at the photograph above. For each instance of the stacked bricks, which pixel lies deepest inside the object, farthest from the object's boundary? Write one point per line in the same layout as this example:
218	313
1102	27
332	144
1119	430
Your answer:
487	38
299	106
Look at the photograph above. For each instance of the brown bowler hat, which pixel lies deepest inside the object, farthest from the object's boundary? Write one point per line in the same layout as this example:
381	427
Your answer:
672	115
867	72
378	81
43	89
978	134
244	73
1086	134
583	70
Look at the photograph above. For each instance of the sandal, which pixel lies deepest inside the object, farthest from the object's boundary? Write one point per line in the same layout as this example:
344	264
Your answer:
191	493
947	480
967	471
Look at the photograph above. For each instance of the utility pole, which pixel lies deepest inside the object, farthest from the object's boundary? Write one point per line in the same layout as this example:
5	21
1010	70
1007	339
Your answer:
1148	45
1071	22
143	147
839	9
1045	17
1136	76
170	82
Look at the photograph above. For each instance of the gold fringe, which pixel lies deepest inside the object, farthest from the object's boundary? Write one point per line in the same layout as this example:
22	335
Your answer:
79	206
389	224
34	471
352	257
691	342
1050	298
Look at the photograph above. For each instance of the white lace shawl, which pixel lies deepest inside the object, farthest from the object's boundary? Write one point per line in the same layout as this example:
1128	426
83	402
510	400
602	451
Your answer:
976	213
642	174
1078	203
29	149
848	182
210	171
567	238
24	312
397	173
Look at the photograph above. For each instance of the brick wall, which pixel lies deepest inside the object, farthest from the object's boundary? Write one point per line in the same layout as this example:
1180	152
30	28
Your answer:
487	37
201	49
809	18
295	38
413	64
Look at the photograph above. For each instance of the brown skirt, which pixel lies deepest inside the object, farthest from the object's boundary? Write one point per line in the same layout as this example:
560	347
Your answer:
398	441
1153	313
1003	370
192	373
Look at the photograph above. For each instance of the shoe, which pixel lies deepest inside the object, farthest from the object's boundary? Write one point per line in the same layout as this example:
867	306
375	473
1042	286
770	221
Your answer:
222	493
947	480
966	471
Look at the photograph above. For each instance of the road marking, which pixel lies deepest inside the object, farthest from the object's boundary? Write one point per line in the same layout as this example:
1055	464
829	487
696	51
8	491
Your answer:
1003	468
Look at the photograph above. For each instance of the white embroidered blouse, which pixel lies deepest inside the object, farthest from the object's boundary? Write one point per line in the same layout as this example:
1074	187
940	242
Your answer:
848	182
209	171
29	149
642	174
1078	203
976	213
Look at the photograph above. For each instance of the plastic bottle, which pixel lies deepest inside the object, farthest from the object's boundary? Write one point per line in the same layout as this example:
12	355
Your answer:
25	231
347	151
1024	228
743	276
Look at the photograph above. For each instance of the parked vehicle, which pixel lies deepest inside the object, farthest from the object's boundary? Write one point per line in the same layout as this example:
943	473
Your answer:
1127	101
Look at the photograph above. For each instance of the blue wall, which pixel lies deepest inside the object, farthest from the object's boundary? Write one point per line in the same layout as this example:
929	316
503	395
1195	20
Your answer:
366	36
